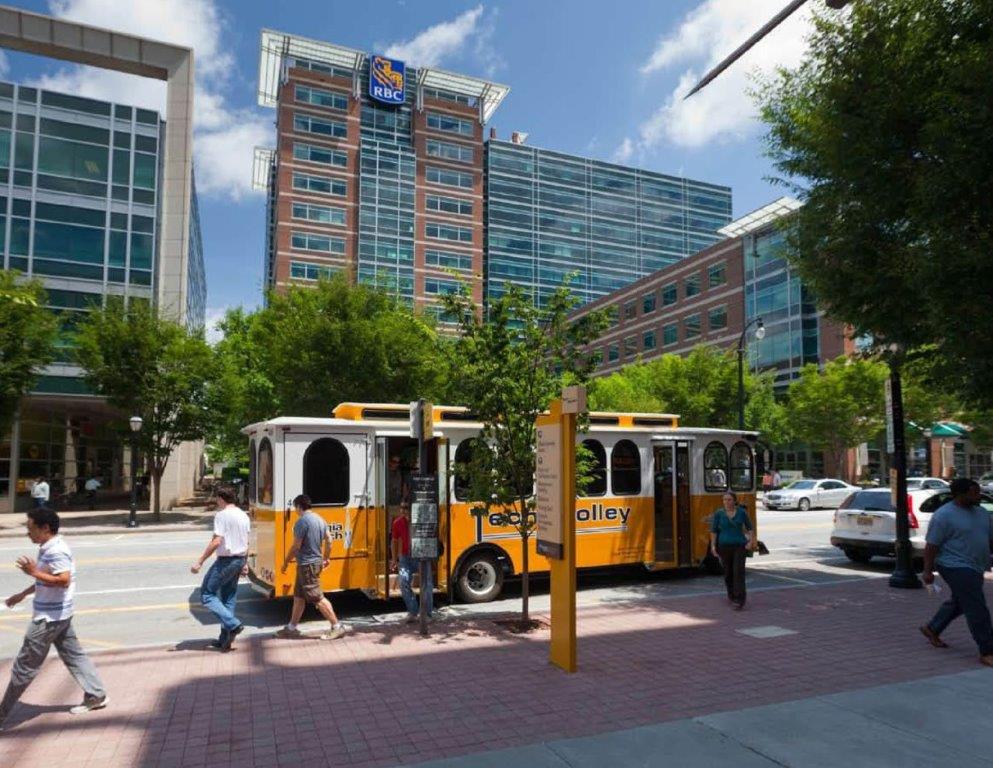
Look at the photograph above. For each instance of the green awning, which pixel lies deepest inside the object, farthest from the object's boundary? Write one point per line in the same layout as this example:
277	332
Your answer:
948	429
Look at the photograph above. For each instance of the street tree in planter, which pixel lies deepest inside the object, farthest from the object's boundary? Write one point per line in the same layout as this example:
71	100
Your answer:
152	367
507	369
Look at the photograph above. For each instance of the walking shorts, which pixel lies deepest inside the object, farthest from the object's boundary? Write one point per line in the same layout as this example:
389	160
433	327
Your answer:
308	583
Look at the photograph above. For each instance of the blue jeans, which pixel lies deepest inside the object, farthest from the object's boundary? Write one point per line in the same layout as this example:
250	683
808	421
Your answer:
407	567
219	591
967	597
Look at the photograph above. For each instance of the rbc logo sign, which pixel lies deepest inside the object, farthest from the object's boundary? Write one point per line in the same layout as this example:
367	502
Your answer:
386	80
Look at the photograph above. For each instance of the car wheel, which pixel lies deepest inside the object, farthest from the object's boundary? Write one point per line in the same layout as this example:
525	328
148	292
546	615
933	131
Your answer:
857	555
804	505
480	578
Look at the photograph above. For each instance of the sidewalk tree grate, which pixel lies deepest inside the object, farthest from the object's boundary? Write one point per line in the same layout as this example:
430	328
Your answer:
766	632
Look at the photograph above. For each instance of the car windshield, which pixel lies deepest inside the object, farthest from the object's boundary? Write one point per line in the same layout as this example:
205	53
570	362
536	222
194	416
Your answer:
870	501
800	485
914	484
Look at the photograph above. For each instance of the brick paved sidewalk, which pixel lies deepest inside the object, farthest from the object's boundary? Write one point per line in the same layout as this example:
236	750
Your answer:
358	701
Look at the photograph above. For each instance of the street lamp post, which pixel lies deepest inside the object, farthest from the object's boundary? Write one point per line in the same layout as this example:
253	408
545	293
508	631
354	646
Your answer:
135	423
759	334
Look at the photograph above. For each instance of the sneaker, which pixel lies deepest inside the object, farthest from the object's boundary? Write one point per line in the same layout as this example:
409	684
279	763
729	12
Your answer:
287	633
335	633
228	640
987	660
89	704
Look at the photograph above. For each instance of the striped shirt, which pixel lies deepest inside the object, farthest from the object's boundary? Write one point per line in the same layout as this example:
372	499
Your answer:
54	603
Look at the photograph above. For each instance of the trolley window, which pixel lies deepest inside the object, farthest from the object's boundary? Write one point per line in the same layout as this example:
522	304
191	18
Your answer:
265	472
625	468
715	467
252	465
597	485
463	458
325	472
742	473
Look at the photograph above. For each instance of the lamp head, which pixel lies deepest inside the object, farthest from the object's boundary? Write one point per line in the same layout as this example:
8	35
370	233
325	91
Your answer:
760	330
135	423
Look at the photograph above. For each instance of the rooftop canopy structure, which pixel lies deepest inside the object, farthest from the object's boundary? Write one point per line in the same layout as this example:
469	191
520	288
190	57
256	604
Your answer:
277	48
760	217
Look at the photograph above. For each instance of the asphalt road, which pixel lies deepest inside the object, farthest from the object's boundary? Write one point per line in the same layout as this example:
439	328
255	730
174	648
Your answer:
136	588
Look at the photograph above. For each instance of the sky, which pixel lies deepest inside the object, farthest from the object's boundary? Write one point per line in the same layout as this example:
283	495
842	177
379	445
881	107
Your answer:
603	80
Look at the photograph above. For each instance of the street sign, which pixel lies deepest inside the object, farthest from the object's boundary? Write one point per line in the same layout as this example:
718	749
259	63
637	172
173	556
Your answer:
421	420
890	439
548	498
574	399
424	517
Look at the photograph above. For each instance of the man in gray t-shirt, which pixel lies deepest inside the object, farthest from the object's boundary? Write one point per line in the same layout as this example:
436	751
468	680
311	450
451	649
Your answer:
312	551
959	539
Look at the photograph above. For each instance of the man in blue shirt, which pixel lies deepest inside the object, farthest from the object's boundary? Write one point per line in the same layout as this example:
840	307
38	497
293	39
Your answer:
958	541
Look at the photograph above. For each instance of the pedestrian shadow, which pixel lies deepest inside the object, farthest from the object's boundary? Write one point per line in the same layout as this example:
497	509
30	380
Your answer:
25	713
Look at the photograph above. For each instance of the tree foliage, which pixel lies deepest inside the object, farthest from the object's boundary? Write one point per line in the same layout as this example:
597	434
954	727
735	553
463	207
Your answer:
839	407
27	341
884	130
509	368
151	367
309	349
702	387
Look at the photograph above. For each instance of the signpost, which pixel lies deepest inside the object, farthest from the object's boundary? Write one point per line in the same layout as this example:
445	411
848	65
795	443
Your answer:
424	505
556	516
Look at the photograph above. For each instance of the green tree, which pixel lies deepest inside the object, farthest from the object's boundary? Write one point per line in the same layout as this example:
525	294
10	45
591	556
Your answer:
509	368
884	130
309	349
702	387
27	341
148	366
839	407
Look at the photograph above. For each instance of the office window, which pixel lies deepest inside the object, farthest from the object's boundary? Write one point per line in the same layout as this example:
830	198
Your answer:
449	151
448	178
446	260
670	335
691	286
648	303
717	318
669	295
321	98
448	232
324	214
435	287
691	326
613	353
300	270
630	347
320	184
309	124
448	205
630	310
716	275
648	340
449	123
311	242
311	154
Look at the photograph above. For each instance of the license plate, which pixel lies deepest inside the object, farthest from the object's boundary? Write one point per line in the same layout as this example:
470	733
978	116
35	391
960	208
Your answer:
864	520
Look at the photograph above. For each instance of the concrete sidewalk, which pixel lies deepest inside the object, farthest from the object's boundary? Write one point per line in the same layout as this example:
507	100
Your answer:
792	680
937	721
101	521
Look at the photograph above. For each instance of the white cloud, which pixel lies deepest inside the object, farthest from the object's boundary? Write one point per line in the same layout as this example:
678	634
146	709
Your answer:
4	64
213	316
436	43
722	111
224	136
624	152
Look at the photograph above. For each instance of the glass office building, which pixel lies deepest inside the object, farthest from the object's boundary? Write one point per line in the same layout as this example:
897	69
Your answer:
550	215
80	211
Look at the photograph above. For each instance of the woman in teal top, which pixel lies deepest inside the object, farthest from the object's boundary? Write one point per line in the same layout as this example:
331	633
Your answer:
728	543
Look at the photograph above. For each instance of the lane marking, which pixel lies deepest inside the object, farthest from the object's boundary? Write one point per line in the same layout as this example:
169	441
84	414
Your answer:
111	560
138	589
789	578
105	542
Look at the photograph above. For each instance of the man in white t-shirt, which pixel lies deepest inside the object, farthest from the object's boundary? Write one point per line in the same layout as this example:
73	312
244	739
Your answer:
54	575
40	492
219	591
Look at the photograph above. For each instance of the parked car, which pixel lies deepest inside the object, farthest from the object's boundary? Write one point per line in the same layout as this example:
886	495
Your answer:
926	484
865	524
809	494
986	482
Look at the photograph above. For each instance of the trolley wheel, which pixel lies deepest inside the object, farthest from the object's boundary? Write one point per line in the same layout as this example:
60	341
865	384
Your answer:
804	505
480	578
